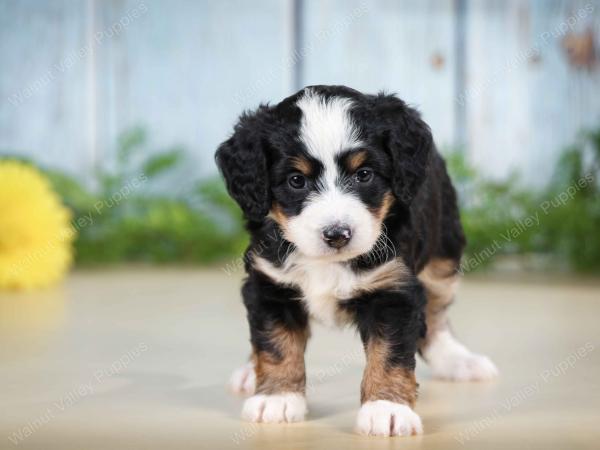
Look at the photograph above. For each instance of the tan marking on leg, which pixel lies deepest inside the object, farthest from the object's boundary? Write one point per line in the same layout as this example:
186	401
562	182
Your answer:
446	356
384	382
284	372
440	279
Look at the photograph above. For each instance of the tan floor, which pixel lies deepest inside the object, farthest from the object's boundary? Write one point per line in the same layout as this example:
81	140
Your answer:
139	358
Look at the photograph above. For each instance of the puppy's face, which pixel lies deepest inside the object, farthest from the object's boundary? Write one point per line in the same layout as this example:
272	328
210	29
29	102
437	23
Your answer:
328	168
331	189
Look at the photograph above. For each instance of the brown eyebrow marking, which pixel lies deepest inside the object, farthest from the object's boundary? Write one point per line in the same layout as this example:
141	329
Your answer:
356	159
303	165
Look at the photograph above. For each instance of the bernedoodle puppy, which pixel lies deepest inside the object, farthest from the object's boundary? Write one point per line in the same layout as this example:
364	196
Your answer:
353	220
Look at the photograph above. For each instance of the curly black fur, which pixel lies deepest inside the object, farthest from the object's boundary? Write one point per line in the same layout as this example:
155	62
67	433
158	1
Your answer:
422	224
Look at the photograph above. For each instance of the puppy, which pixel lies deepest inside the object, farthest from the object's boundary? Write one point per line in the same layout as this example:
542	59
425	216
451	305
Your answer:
353	220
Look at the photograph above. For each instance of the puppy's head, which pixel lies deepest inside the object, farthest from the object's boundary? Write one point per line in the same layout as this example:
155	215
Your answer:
327	164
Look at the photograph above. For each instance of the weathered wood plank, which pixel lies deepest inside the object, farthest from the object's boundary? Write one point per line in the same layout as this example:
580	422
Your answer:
525	102
187	69
77	73
405	47
183	69
44	109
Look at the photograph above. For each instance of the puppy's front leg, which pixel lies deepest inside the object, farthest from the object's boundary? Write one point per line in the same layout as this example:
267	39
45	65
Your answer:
279	332
390	325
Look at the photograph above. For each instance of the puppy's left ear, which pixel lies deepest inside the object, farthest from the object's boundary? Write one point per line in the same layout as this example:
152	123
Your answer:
408	140
242	160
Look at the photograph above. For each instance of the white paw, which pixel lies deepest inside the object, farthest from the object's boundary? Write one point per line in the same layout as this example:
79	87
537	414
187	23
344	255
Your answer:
243	380
469	367
450	360
288	407
385	418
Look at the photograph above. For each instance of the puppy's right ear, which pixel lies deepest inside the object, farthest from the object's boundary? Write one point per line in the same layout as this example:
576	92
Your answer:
242	160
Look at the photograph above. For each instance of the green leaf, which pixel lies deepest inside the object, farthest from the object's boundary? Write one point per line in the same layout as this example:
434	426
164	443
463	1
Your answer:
130	142
162	162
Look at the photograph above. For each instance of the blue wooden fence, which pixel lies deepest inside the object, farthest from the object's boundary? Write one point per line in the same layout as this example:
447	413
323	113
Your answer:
512	82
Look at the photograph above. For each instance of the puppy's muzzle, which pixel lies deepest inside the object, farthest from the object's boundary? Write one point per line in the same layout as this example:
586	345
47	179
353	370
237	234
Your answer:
337	236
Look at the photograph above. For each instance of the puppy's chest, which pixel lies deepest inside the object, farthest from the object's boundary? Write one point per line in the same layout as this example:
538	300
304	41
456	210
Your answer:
324	285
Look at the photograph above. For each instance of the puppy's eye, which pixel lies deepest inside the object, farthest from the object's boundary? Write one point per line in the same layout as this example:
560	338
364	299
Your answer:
297	181
364	175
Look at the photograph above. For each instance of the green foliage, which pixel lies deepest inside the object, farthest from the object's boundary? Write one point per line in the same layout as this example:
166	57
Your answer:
489	210
572	225
126	218
562	220
122	214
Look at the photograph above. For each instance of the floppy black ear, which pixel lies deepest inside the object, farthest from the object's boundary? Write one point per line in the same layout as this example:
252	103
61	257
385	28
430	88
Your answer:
408	140
242	160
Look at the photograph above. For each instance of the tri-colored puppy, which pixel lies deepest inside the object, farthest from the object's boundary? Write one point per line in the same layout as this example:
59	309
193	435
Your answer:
353	219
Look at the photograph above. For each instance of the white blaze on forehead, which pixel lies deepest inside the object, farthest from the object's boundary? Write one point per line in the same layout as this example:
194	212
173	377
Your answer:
327	129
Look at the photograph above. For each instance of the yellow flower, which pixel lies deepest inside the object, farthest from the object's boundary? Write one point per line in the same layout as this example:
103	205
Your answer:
35	231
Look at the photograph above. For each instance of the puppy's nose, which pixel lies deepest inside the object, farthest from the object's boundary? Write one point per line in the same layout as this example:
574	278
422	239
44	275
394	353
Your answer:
337	236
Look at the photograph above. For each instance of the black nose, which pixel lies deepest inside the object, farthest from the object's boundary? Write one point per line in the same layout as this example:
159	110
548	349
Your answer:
337	236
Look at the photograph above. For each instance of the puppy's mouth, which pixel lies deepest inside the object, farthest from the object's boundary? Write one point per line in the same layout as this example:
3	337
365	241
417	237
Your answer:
337	255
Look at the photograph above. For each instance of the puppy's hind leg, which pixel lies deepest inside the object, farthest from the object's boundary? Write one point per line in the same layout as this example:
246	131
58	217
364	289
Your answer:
447	357
243	379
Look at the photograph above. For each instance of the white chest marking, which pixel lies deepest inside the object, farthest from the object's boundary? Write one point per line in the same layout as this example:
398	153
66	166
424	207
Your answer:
324	284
